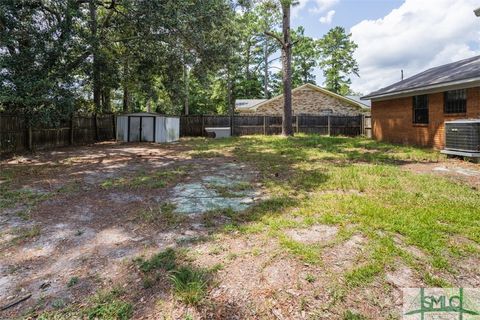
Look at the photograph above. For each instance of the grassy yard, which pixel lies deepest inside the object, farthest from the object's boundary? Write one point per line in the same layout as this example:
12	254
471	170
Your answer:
343	224
359	186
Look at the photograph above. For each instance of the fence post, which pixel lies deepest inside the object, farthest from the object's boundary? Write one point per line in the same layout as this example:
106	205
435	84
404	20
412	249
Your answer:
264	125
328	124
71	129
97	136
29	137
363	125
296	123
114	122
203	126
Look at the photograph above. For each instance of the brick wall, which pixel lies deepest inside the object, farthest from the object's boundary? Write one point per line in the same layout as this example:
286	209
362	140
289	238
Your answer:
392	119
308	100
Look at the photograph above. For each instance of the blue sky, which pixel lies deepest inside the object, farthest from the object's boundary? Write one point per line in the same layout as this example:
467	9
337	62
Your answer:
347	14
412	35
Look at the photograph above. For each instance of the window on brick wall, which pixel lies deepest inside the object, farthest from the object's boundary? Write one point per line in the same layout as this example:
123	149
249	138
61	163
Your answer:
455	101
420	109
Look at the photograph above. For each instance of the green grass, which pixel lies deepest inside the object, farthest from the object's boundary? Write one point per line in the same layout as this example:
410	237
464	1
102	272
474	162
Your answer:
231	191
166	260
189	284
109	306
357	182
58	303
362	275
105	305
163	213
147	180
64	314
73	281
306	252
12	196
433	281
349	315
210	218
310	278
22	234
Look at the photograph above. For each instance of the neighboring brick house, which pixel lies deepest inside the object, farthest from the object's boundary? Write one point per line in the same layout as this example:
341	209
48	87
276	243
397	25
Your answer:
414	111
306	99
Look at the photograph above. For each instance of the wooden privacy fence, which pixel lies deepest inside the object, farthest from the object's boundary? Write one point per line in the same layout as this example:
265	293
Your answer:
194	126
15	135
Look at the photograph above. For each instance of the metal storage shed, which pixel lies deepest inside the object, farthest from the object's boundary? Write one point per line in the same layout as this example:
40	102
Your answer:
147	127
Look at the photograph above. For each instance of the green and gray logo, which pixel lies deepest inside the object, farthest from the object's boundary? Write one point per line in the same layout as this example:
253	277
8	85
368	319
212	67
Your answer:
441	303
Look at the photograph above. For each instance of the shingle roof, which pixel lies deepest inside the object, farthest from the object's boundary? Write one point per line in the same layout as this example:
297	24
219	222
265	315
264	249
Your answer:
242	104
322	90
460	71
366	103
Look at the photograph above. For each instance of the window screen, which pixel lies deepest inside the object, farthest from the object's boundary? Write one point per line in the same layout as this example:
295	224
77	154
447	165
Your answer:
455	101
420	109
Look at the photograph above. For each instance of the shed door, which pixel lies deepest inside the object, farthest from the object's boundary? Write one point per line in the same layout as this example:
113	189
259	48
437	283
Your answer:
134	128
148	129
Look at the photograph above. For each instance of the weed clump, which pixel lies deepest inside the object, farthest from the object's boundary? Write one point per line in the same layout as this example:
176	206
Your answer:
189	283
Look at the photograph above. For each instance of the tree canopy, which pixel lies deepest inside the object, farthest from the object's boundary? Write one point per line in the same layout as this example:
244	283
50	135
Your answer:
58	57
337	62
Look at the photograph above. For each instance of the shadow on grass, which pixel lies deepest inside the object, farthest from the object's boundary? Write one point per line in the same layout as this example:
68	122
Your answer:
290	168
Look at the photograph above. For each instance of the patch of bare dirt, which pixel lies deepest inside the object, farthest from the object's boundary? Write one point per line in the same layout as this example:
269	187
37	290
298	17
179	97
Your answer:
402	277
417	253
86	231
466	266
457	170
383	298
343	255
260	281
314	234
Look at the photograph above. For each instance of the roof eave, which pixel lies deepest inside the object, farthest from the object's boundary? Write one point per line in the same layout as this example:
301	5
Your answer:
459	84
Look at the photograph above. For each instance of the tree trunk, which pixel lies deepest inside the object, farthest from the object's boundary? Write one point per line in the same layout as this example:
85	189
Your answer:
230	100
230	97
125	98
126	93
187	89
95	65
265	71
287	128
107	102
247	72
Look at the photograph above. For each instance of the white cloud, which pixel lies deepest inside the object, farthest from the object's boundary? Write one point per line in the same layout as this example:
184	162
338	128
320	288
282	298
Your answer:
323	5
298	8
318	6
414	37
327	19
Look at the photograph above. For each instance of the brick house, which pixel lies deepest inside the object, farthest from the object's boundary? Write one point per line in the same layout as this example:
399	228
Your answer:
306	99
414	111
